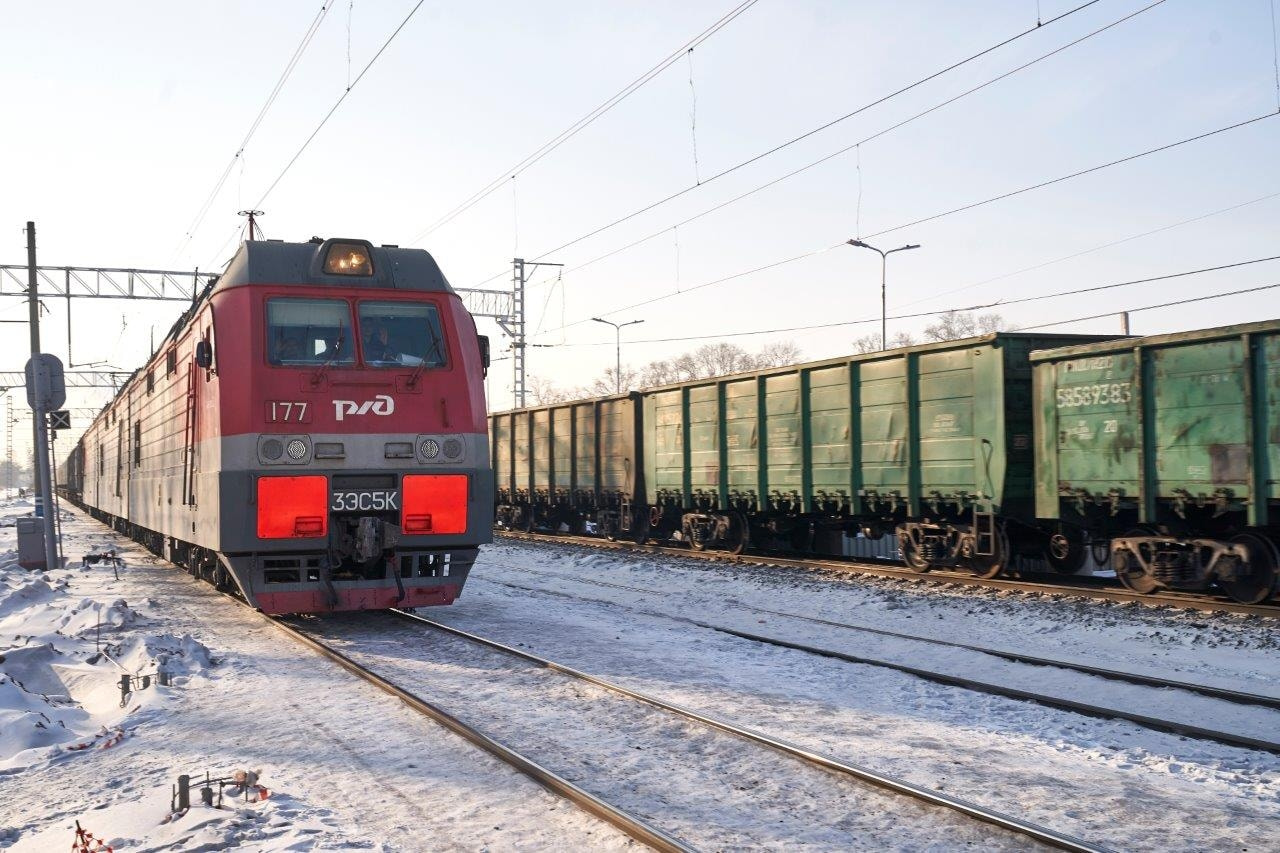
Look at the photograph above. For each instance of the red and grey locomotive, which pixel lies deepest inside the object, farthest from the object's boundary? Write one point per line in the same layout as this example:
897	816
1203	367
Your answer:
311	433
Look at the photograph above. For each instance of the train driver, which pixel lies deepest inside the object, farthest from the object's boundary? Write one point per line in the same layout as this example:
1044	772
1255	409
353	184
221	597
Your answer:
378	345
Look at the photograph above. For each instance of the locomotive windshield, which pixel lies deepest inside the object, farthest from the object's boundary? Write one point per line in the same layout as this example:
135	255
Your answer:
309	331
400	333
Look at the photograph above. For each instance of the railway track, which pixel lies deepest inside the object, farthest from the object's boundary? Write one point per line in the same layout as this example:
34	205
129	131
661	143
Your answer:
628	823
1081	587
862	774
1236	696
1163	724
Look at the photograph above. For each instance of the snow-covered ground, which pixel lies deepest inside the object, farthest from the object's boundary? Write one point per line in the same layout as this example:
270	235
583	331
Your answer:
350	768
1107	781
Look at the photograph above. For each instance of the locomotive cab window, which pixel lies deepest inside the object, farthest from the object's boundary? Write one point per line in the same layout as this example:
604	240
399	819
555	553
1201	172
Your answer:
401	333
309	332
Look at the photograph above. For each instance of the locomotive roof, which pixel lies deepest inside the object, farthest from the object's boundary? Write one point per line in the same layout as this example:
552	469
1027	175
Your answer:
277	262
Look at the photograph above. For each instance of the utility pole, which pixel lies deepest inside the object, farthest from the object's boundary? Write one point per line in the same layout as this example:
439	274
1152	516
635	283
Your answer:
617	349
1124	322
8	442
39	409
515	326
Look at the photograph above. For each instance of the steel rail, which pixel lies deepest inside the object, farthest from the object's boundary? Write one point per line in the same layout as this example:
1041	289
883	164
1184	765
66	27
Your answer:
1190	601
1237	696
1154	723
593	805
881	780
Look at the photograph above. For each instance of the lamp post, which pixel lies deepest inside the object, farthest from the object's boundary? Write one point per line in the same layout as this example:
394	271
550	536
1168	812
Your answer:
617	329
884	335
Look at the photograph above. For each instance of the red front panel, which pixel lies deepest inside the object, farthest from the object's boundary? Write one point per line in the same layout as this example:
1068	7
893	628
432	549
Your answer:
293	507
434	503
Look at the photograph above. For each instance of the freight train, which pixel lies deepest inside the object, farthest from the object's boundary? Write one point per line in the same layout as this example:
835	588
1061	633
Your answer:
1153	455
310	434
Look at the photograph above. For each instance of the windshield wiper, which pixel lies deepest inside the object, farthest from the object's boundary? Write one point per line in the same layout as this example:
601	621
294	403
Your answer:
318	376
432	349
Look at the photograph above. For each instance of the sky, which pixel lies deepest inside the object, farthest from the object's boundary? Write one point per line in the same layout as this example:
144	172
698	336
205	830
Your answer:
123	117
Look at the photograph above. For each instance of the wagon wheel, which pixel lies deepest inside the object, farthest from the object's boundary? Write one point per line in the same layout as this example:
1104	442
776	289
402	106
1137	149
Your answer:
640	525
1130	572
910	554
1261	581
1066	551
736	540
990	566
607	528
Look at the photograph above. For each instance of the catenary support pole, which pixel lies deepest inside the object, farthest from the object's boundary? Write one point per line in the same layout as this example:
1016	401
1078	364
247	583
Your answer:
39	412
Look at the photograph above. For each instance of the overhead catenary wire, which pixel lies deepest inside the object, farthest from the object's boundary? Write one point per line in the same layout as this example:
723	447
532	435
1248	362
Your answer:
964	308
582	123
1041	185
807	134
965	207
1109	244
203	211
307	142
1141	308
857	145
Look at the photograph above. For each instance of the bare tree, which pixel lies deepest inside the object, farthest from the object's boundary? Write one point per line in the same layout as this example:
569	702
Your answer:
902	339
962	324
544	392
867	343
607	384
778	354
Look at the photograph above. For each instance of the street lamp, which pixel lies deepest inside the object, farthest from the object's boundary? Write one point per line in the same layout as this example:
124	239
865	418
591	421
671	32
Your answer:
617	370
884	336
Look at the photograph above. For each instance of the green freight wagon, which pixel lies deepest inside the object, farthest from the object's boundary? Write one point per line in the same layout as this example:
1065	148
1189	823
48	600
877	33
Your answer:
1160	452
568	467
931	444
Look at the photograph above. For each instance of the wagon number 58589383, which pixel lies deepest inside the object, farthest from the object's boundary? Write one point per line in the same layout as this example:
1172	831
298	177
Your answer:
1102	394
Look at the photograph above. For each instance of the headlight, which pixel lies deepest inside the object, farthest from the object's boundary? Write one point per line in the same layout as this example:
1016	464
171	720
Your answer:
430	448
297	449
273	448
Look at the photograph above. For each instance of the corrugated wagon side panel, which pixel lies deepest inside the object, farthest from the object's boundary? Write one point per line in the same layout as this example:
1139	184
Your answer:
540	449
884	425
704	440
521	450
617	446
946	412
664	421
785	435
1201	420
562	447
742	436
584	447
1094	404
830	421
503	442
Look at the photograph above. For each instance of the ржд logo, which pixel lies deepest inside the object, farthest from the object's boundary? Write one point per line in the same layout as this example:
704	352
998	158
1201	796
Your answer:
382	404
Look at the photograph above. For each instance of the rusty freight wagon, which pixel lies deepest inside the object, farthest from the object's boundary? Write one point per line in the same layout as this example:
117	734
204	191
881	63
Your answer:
1160	453
569	467
931	444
